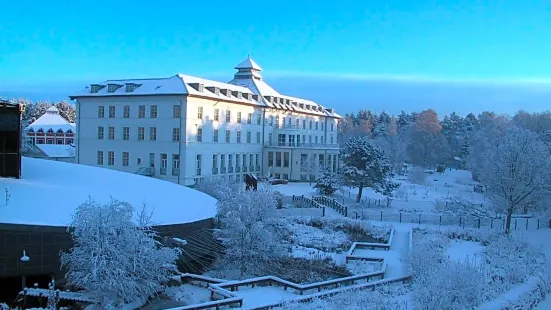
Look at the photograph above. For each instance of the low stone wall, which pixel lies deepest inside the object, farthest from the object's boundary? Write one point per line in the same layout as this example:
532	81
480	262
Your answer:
44	243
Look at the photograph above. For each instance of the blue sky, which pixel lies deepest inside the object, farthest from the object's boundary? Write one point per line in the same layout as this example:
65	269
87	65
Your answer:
387	55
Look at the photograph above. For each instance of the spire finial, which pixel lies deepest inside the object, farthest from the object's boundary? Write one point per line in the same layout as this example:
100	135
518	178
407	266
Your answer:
249	55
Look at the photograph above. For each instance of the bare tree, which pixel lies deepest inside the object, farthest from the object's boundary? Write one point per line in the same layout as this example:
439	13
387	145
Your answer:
517	171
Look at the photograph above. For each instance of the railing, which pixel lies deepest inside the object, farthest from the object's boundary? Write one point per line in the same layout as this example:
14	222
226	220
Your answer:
303	145
146	171
332	203
304	202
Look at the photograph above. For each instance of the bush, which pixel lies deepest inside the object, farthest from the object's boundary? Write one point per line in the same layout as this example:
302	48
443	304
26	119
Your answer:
278	182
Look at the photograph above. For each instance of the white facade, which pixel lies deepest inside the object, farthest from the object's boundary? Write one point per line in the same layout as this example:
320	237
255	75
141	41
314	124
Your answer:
184	128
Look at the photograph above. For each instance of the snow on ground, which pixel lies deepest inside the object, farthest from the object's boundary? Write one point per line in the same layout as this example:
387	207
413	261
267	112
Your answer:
264	295
49	191
409	197
465	251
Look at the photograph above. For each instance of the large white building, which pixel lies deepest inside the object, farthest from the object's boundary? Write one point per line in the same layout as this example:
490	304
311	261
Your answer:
183	128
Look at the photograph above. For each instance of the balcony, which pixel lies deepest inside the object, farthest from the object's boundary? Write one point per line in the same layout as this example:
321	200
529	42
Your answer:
302	145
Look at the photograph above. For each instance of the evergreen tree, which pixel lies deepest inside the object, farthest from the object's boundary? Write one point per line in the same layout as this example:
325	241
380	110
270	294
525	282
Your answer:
328	182
366	165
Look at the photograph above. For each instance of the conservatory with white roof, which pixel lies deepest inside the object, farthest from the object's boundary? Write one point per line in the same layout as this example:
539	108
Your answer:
184	128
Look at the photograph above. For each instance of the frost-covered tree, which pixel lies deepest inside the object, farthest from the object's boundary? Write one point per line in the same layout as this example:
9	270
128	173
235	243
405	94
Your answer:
116	259
328	182
395	149
366	165
517	171
247	229
66	110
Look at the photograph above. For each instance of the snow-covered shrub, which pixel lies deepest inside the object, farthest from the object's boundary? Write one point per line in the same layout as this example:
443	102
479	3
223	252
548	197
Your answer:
216	186
439	283
418	176
248	232
328	182
524	297
401	193
115	260
462	207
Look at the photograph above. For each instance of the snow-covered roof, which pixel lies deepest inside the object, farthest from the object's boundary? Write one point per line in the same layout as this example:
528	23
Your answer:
57	150
247	82
62	187
51	119
248	64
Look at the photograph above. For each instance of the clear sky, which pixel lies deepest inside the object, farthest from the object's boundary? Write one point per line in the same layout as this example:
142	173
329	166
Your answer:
57	45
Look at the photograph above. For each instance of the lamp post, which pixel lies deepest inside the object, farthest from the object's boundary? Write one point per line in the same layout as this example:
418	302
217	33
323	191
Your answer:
25	258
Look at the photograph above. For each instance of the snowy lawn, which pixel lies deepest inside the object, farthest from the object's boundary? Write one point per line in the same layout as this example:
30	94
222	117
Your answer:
465	251
64	186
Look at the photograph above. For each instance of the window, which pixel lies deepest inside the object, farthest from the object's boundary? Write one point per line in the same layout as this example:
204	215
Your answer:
222	160
68	141
258	137
277	121
281	139
271	120
175	134
304	164
249	118
200	112
198	164
111	111
248	137
138	161
100	132
125	158
215	164
331	139
216	114
126	111
289	121
152	160
316	139
316	125
153	111
125	133
278	159
111	133
291	140
298	140
270	138
101	111
100	157
110	158
329	165
199	134
153	133
237	162
141	111
228	136
310	125
303	124
215	135
322	123
332	126
239	117
141	133
334	162
258	118
176	111
257	160
286	159
238	136
49	141
230	163
297	124
251	162
164	160
228	116
244	156
175	164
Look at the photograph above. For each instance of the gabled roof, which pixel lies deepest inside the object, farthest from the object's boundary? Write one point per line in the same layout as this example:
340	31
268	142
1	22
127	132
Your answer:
57	150
51	120
248	63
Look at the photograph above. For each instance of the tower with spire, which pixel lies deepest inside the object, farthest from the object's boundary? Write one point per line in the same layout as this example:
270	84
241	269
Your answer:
248	69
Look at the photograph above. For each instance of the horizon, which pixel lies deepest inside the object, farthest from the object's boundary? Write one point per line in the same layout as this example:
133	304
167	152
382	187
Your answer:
462	56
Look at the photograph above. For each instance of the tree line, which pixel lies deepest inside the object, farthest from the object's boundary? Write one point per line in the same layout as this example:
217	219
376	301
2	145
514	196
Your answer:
33	110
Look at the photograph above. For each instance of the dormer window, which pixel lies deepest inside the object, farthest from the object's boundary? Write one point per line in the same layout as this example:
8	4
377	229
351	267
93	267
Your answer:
130	87
30	130
69	131
50	130
255	97
111	88
59	131
247	96
301	105
40	130
307	107
94	88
